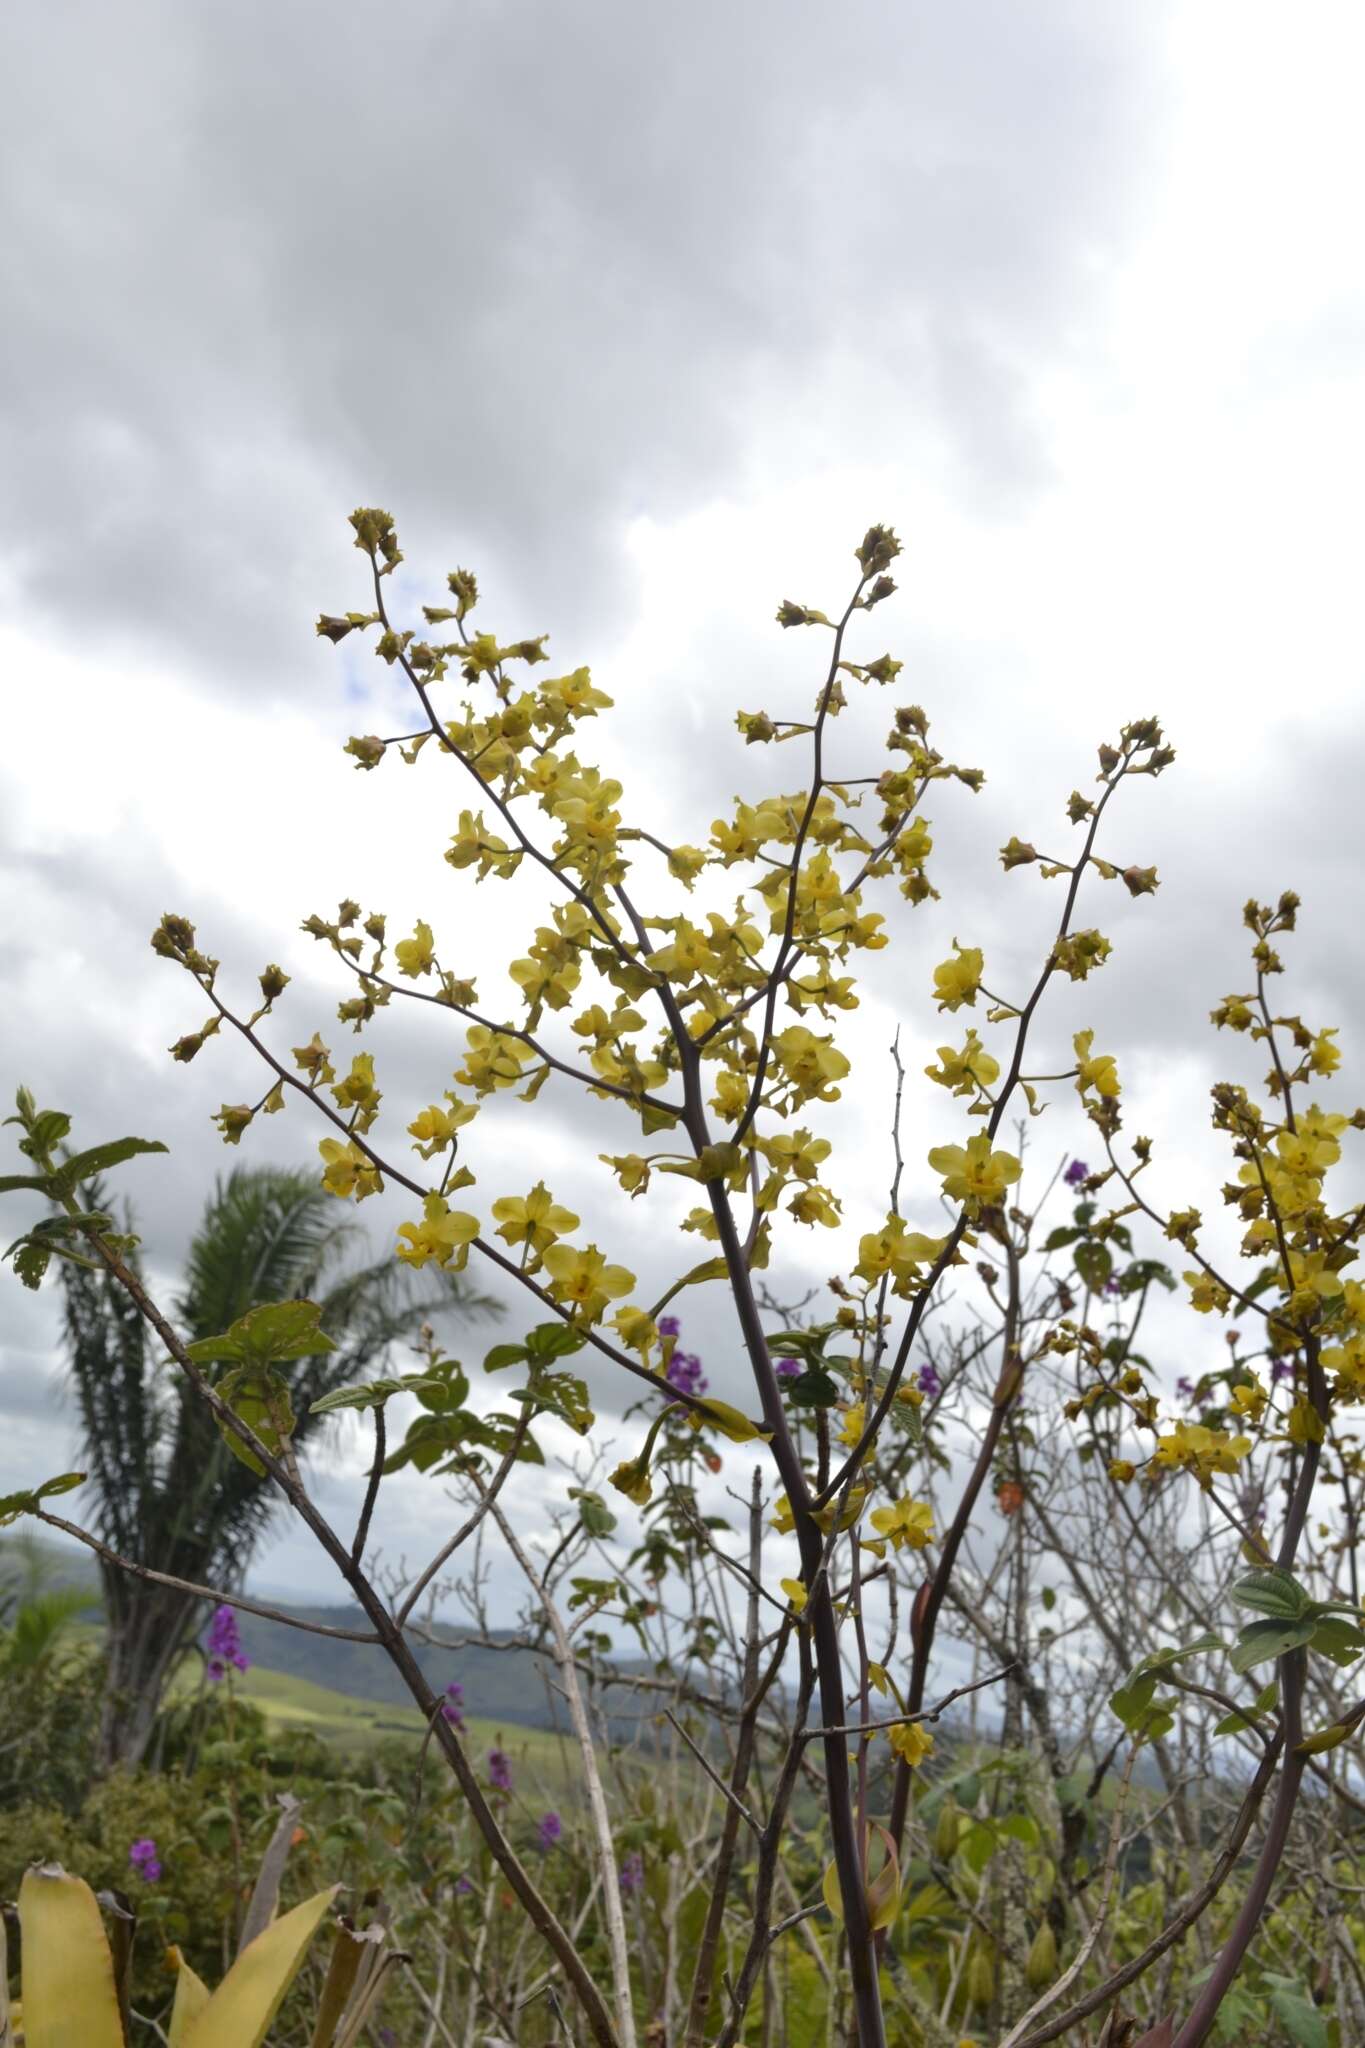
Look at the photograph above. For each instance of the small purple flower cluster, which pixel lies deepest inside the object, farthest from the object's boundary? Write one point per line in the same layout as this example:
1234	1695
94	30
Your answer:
928	1382
549	1831
499	1770
1075	1173
684	1368
632	1872
224	1648
452	1706
145	1859
787	1368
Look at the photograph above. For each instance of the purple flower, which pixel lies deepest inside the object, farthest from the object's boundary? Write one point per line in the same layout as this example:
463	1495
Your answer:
632	1872
1076	1173
668	1326
499	1770
1280	1370
1185	1389
463	1887
145	1860
224	1647
685	1373
929	1382
787	1368
1113	1284
549	1831
452	1708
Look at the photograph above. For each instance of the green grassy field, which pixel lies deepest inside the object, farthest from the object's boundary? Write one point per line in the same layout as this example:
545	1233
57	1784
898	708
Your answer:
296	1703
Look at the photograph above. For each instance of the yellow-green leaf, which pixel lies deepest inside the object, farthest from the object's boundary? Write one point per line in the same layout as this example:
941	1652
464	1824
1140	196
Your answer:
191	1996
70	1998
247	2000
730	1422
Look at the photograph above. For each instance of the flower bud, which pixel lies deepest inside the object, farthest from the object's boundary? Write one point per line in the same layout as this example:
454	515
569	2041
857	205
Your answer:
1041	1966
981	1980
945	1831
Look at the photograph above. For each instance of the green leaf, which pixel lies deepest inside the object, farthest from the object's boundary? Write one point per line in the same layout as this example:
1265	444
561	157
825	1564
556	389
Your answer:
593	1512
48	1128
373	1393
1142	1273
549	1341
1261	1640
1056	1239
976	1845
1274	1593
1340	1640
11	1183
100	1158
268	1335
1301	2020
12	1505
260	1399
1094	1264
812	1389
1160	1660
503	1355
31	1260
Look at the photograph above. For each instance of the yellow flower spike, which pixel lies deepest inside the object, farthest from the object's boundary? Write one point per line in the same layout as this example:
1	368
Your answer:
973	1174
535	1219
637	1329
1249	1401
907	1523
1100	1073
957	981
1323	1057
416	955
796	1593
1206	1294
443	1235
434	1127
855	1420
347	1171
963	1073
1193	1447
812	1065
583	1279
912	1743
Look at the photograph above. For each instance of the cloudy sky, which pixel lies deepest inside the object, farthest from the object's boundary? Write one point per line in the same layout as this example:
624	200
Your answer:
645	314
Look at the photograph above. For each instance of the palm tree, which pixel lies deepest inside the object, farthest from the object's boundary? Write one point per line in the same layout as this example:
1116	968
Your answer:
167	1491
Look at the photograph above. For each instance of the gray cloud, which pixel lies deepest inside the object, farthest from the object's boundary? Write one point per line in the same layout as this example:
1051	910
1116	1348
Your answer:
523	272
530	275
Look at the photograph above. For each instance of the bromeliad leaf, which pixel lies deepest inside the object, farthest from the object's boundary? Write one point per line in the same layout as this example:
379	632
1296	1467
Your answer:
269	1335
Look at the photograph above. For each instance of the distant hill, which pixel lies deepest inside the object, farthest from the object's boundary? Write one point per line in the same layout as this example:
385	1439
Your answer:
506	1686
